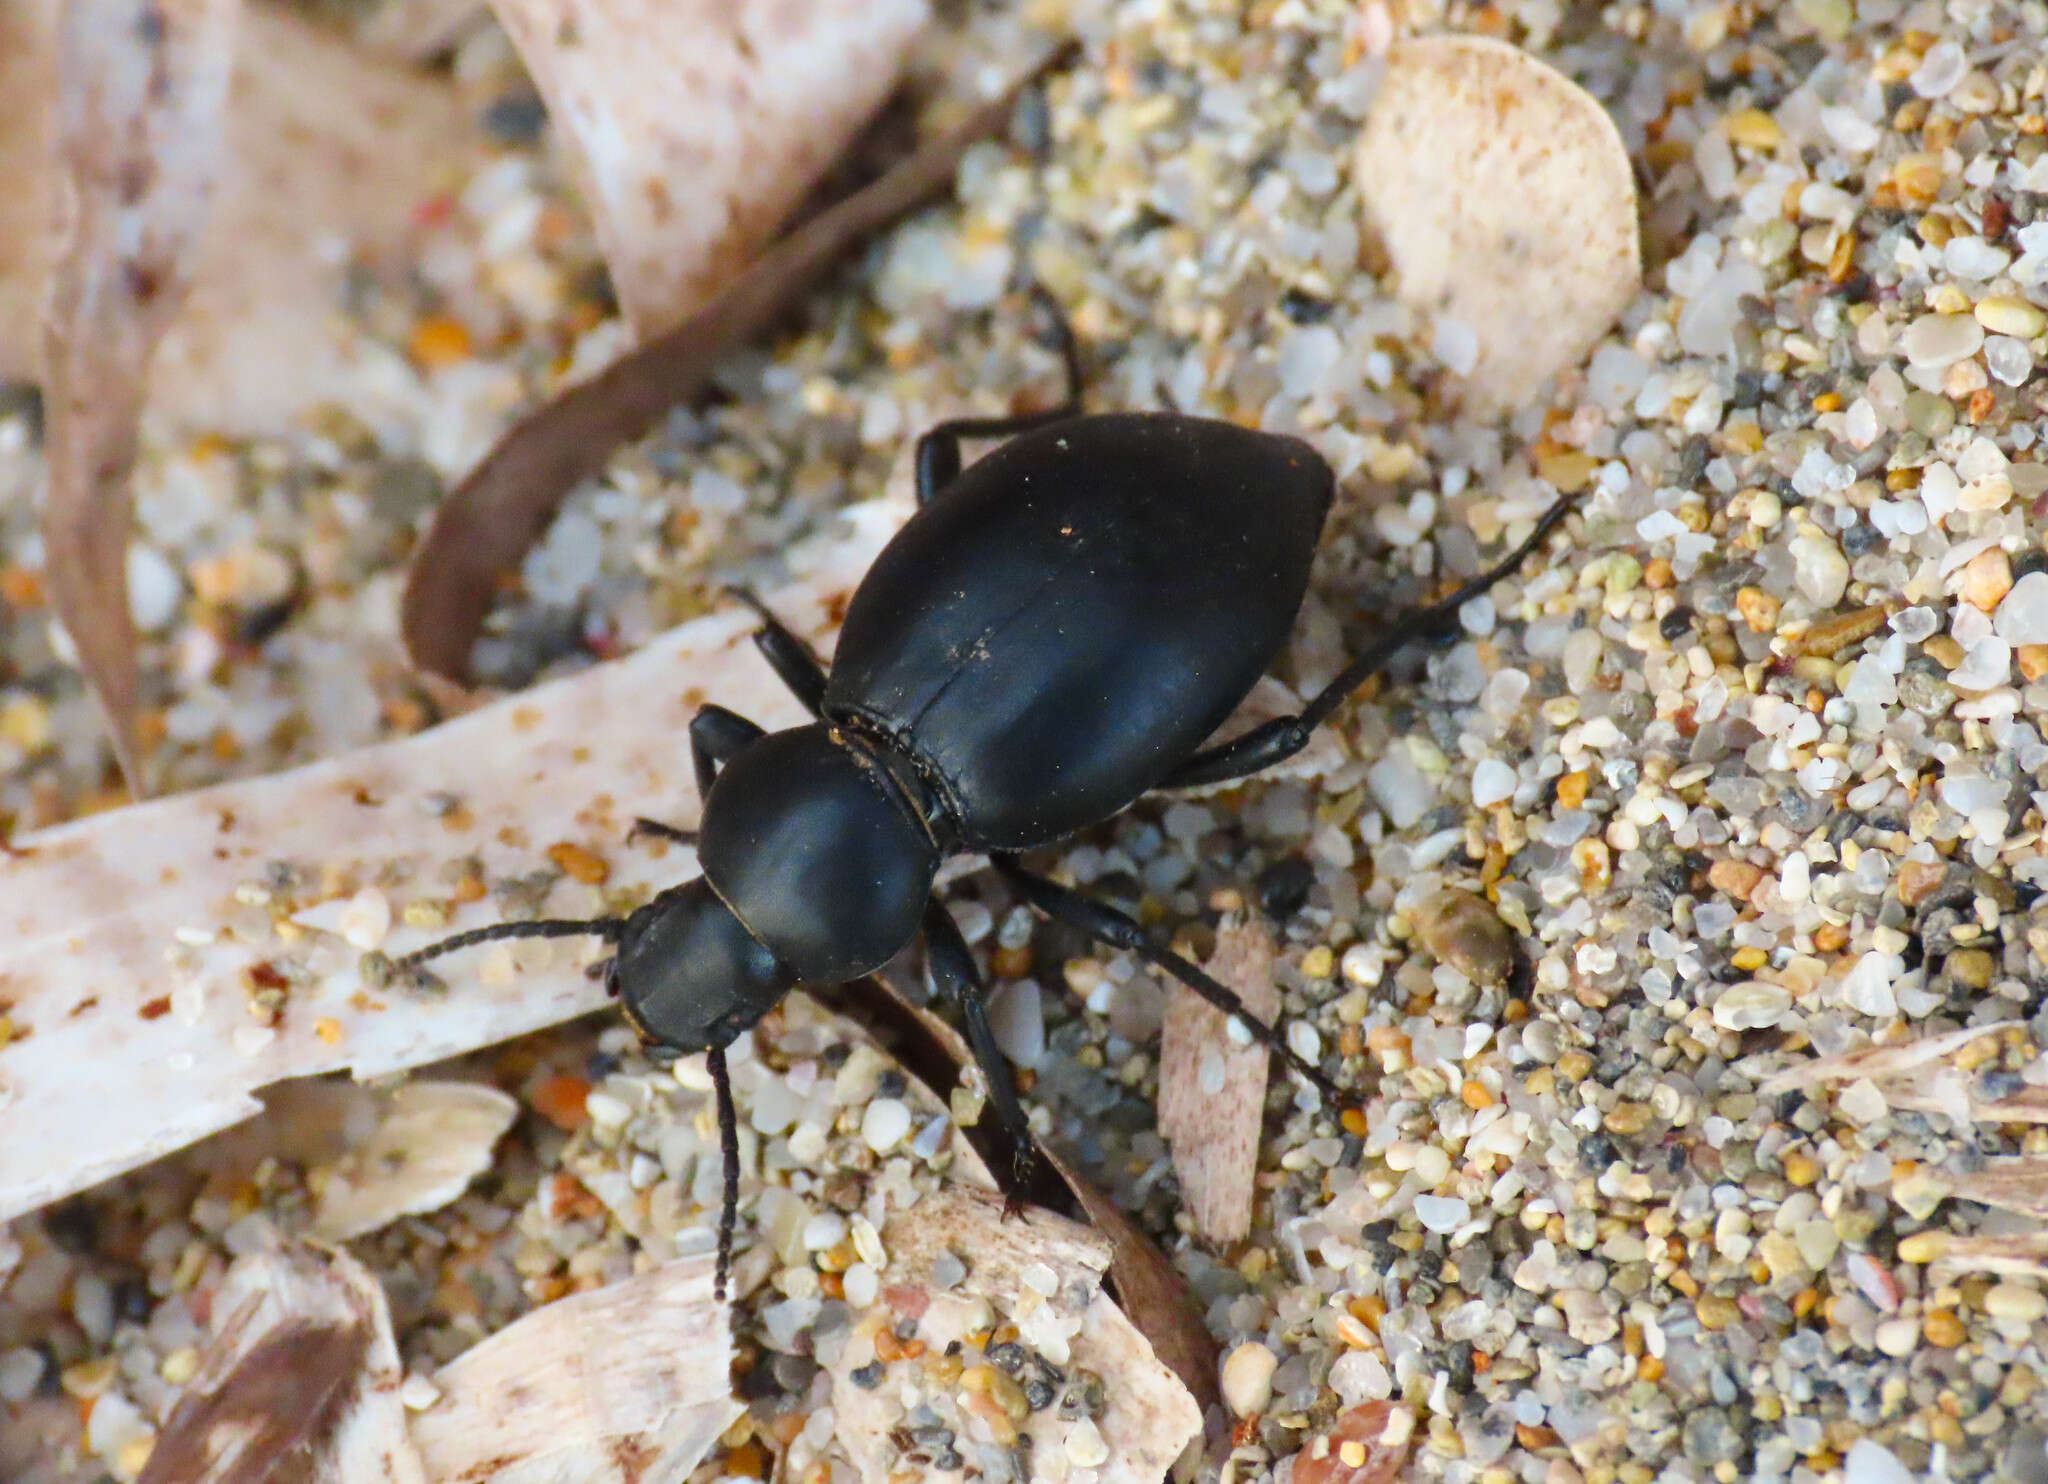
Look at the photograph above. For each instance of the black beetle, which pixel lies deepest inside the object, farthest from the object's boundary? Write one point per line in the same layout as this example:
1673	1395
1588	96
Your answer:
1054	633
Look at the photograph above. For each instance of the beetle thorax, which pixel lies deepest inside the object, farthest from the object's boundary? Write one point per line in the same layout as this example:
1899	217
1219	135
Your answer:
818	851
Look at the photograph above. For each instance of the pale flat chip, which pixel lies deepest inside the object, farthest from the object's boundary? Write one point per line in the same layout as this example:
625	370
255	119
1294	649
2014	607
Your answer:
1212	1090
130	941
697	126
434	1138
1507	205
626	1383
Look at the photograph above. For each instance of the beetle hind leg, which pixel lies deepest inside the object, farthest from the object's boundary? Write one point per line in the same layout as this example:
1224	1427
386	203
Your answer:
938	451
954	975
1106	924
1279	739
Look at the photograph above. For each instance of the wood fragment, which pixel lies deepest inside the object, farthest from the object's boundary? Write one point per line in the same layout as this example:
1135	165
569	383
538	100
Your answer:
489	522
433	1139
1507	203
112	950
2018	1183
625	1383
696	126
2018	1255
300	1381
1150	1289
1914	1075
419	30
1149	1416
1212	1090
141	110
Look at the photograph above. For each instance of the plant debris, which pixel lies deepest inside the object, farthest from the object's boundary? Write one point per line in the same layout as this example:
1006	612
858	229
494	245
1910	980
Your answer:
433	1139
490	521
1508	205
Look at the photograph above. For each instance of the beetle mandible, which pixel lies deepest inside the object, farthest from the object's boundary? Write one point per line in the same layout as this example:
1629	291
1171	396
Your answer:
1055	632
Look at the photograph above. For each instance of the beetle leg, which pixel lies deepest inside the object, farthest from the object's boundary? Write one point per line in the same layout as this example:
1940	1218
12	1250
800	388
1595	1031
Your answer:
660	831
956	978
1279	739
788	655
1105	924
715	735
729	1147
938	451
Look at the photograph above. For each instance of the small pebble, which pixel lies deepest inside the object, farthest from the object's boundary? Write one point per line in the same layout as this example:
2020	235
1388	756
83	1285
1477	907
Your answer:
1442	1213
1248	1378
884	1124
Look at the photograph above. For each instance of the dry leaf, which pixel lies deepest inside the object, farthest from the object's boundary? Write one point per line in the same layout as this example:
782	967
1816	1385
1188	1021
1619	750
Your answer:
301	1376
696	126
324	145
434	1138
485	527
1212	1091
1507	204
141	103
1010	1262
119	972
625	1383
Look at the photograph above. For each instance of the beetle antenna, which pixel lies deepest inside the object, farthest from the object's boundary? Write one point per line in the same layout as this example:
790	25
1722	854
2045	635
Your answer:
607	928
729	1144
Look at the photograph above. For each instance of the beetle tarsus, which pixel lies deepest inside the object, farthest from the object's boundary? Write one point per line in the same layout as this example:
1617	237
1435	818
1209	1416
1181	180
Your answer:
938	451
959	983
654	829
792	660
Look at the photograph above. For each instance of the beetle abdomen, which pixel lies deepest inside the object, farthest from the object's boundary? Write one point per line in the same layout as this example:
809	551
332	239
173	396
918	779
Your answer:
1078	611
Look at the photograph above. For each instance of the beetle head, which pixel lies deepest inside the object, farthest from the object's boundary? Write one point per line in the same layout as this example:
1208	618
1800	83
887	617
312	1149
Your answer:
688	973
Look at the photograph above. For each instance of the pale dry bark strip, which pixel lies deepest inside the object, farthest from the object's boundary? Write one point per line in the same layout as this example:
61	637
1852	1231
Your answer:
128	939
696	126
1212	1089
141	112
628	1382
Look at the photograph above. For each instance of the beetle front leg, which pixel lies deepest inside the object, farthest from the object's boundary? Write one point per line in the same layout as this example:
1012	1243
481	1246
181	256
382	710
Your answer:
938	451
715	735
790	658
1105	924
954	975
1279	739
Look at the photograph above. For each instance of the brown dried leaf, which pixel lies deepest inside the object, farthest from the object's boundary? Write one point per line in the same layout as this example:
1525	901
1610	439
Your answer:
1506	202
1212	1091
488	523
303	1368
696	126
627	1382
128	948
141	106
28	247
